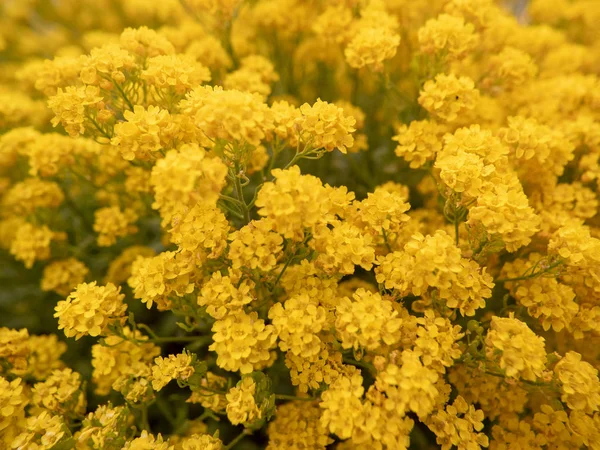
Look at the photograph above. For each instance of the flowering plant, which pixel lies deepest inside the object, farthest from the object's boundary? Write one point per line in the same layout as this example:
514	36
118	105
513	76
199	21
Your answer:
286	224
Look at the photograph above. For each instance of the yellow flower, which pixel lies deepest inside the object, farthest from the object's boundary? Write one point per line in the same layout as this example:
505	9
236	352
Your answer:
183	178
201	233
179	73
12	414
371	46
60	393
447	35
237	117
580	388
73	107
367	321
341	405
223	295
297	424
241	407
434	262
255	246
148	441
298	322
111	223
458	425
142	133
42	432
145	42
45	353
121	359
174	367
448	96
63	275
520	353
155	279
32	244
419	141
14	350
91	310
325	126
243	342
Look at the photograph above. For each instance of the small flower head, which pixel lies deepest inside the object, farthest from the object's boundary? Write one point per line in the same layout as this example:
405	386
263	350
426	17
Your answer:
90	310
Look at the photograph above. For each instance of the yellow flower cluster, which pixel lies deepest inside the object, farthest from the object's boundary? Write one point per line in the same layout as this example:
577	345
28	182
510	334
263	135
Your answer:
435	283
90	310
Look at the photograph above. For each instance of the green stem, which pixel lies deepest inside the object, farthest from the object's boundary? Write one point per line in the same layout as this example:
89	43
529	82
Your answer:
144	418
385	239
531	275
160	340
164	409
237	439
240	193
456	225
293	397
69	200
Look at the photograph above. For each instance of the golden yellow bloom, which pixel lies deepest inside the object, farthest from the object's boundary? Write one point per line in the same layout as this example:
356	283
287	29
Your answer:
237	117
297	424
63	275
32	244
243	342
298	323
511	67
121	359
419	141
408	387
520	353
435	262
74	107
448	96
60	393
12	413
155	279
14	350
202	232
119	269
367	321
293	202
44	356
25	197
324	126
579	383
201	442
148	441
342	406
111	223
179	73
241	407
458	425
42	432
255	246
106	65
223	295
447	36
173	367
142	133
90	310
343	247
145	42
371	46
183	178
104	428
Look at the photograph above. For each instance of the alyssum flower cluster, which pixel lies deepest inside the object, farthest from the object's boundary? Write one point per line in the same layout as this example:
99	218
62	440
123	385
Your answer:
286	224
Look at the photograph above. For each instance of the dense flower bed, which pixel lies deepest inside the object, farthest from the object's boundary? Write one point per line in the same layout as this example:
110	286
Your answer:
299	224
